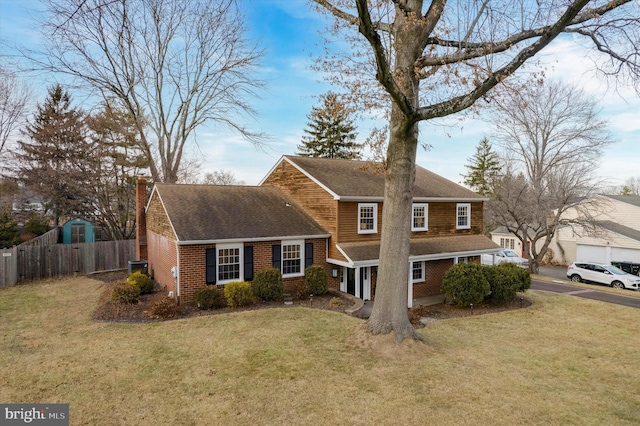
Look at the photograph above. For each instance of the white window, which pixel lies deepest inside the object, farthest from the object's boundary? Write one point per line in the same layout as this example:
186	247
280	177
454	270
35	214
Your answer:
367	218
463	216
419	221
292	258
508	243
229	263
417	271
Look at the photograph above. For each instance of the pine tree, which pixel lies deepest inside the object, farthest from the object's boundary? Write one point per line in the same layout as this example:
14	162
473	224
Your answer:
484	168
53	159
331	132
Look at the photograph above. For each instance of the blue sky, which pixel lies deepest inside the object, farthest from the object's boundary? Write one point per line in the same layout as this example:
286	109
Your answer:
289	30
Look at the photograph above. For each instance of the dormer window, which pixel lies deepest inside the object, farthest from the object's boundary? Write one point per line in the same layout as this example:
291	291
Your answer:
463	216
419	221
367	218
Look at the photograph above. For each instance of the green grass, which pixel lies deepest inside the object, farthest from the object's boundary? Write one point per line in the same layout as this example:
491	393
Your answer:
565	360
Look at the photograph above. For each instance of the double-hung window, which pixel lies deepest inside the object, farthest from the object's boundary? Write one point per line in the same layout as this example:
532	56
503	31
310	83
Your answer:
463	216
417	271
367	218
419	221
229	263
292	258
508	243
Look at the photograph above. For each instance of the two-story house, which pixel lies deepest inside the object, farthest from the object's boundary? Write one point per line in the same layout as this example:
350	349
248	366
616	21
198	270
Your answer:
307	210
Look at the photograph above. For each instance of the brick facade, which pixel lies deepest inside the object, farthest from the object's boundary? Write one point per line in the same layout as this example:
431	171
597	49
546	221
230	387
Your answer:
193	264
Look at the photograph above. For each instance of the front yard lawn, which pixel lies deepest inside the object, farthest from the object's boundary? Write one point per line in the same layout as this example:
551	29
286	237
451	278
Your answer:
564	360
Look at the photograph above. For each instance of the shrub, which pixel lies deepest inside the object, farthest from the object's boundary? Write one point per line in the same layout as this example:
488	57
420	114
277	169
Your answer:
506	280
238	293
268	284
465	283
300	290
125	292
316	278
336	301
164	308
209	298
142	280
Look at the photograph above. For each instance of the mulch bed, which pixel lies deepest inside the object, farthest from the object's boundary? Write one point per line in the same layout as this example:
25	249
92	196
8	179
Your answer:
107	310
422	315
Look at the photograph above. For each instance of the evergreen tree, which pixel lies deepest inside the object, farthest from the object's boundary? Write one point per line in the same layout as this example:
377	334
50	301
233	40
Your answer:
331	131
484	169
9	234
53	159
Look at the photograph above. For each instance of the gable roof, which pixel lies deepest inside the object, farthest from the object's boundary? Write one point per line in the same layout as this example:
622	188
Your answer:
210	213
352	180
634	234
629	199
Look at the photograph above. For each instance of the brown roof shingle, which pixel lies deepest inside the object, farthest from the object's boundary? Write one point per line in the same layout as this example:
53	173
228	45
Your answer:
209	212
360	252
348	178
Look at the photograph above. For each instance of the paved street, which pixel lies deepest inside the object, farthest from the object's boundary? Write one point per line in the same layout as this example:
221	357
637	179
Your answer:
594	294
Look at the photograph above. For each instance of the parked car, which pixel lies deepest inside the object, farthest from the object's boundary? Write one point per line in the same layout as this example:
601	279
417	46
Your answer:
629	267
602	274
504	255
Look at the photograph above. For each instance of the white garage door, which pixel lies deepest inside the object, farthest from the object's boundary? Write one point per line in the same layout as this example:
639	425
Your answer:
597	254
621	254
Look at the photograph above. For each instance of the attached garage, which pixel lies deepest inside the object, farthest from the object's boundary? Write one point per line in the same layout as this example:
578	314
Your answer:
589	253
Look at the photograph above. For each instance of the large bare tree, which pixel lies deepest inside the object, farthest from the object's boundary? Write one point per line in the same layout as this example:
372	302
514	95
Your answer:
173	65
555	140
436	58
13	101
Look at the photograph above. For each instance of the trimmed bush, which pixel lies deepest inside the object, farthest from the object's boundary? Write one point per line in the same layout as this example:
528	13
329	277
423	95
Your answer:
238	293
317	279
209	298
164	308
506	280
142	280
465	283
268	284
125	292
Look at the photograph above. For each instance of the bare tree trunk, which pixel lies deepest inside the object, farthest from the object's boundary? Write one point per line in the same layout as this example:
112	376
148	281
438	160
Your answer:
390	310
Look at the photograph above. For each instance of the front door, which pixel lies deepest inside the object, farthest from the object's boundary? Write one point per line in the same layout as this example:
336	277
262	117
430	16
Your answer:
351	281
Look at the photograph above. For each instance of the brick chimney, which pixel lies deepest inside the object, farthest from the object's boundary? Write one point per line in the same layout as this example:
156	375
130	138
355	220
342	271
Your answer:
141	219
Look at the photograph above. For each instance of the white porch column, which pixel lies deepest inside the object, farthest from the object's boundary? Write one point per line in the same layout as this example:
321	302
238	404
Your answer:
410	287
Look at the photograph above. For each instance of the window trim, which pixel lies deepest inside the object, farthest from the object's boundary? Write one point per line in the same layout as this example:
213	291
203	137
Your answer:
467	225
422	274
375	218
300	244
426	217
240	248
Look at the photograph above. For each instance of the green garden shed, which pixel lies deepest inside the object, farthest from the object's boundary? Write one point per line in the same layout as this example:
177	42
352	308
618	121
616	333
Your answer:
78	231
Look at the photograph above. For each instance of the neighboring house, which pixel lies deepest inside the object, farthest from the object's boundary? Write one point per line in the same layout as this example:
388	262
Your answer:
613	233
306	210
506	239
78	231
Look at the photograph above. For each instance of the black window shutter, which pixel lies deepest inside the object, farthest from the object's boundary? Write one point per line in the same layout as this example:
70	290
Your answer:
276	256
308	255
248	263
211	266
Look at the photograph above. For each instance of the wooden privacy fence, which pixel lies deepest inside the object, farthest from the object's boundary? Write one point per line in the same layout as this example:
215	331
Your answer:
30	262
